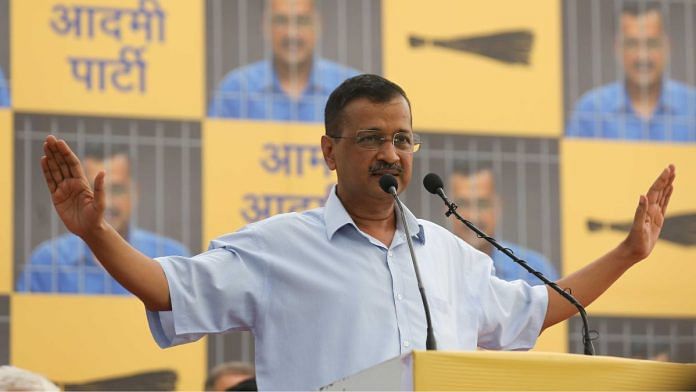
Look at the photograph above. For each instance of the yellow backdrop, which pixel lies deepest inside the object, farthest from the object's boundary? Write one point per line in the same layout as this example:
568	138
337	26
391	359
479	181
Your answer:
72	339
255	169
458	91
602	181
111	63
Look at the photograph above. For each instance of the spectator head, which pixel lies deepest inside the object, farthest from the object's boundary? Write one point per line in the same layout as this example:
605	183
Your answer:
16	379
227	375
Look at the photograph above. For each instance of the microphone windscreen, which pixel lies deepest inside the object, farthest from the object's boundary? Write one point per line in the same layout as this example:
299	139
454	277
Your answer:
432	182
387	181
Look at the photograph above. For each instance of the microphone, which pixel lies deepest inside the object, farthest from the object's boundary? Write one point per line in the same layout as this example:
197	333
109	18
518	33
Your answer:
389	184
433	184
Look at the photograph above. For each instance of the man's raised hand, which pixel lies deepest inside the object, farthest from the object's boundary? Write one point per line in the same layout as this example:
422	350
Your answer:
650	215
80	207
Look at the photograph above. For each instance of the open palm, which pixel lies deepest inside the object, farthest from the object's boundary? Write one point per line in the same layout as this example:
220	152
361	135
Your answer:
650	215
80	207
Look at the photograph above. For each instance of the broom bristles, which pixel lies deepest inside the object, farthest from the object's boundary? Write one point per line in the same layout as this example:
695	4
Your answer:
679	229
509	46
416	41
594	225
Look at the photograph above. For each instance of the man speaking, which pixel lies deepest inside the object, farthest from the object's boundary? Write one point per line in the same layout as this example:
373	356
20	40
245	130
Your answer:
331	291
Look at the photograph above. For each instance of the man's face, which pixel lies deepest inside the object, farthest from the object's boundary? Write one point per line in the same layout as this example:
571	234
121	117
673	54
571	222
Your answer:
118	187
358	169
293	30
478	202
644	48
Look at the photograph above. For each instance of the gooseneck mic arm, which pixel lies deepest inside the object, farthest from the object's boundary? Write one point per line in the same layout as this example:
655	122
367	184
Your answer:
433	183
389	184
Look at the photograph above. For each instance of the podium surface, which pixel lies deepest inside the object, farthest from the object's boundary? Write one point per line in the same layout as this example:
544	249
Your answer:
495	370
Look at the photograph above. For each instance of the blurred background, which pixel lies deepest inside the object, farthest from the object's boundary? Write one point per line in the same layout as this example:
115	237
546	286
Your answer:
545	118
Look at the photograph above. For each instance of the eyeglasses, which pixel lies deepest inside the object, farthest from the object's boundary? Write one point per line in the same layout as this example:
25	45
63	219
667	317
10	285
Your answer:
299	21
373	140
632	44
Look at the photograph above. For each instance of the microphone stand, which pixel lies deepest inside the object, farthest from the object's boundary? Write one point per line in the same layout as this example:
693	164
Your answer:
586	340
430	343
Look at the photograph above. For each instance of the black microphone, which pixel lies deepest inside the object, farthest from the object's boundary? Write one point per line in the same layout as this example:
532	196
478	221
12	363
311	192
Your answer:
433	184
389	184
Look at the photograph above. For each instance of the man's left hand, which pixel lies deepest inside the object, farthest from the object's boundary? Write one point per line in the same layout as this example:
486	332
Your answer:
650	216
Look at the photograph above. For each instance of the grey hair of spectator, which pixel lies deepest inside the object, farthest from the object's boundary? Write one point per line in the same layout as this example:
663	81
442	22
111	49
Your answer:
16	379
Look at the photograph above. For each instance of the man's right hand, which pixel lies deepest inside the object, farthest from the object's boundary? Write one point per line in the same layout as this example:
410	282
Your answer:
80	207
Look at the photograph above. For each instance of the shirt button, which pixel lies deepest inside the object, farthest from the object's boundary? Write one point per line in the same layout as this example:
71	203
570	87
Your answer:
391	254
399	297
407	343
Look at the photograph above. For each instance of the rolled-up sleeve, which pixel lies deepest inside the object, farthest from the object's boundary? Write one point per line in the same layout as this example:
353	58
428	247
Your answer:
217	291
512	314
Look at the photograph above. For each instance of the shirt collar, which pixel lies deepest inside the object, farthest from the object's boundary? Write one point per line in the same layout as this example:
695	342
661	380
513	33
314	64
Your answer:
272	83
623	100
336	216
414	228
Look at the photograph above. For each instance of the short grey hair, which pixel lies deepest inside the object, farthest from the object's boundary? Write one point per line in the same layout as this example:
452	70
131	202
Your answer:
16	379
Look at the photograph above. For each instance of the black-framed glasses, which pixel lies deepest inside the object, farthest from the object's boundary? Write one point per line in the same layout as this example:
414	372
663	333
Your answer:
373	140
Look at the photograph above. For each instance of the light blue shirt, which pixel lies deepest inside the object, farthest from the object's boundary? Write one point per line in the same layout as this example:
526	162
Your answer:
606	112
325	300
66	265
507	269
4	91
254	92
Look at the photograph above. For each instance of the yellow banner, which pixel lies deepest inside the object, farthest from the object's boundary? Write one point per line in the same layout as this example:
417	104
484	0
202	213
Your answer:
478	66
79	339
601	184
253	170
6	199
108	57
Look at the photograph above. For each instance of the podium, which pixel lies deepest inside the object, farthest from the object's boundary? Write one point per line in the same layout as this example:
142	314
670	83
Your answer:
529	371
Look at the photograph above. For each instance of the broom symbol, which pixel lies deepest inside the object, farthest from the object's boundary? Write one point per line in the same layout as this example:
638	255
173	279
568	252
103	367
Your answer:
679	229
510	47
